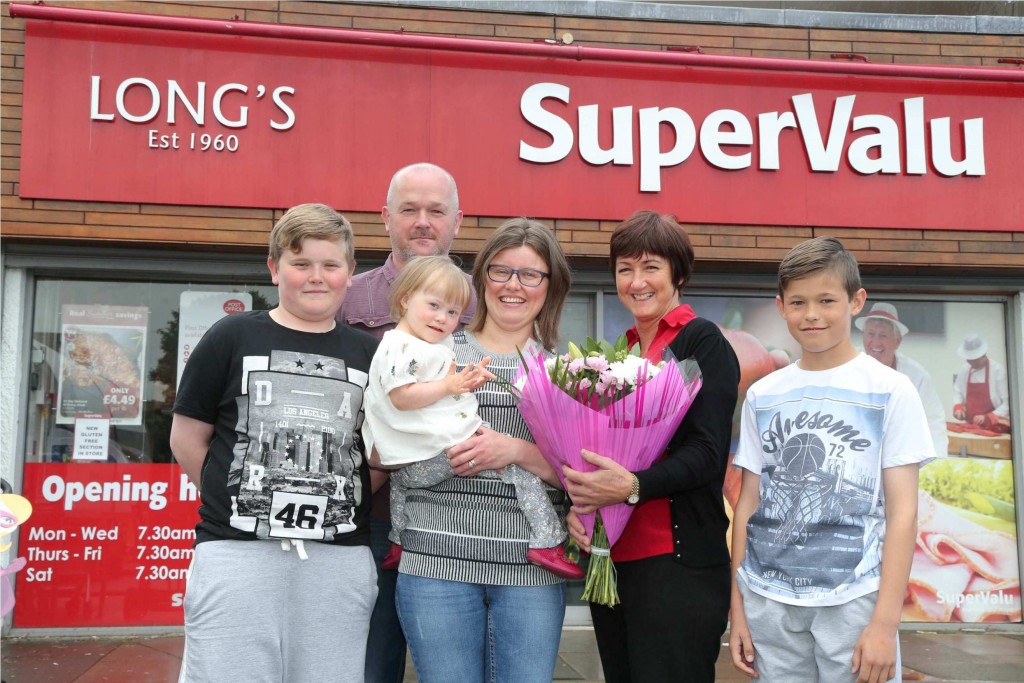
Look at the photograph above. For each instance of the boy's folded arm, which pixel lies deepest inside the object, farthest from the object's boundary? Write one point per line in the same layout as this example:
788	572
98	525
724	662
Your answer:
190	442
877	644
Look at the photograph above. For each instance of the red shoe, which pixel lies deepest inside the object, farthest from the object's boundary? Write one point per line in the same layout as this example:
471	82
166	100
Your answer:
392	559
553	559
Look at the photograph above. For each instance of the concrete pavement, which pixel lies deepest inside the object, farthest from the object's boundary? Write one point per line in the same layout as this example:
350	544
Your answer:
964	657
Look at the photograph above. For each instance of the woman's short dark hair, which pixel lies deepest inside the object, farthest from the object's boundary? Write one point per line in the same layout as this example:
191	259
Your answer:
525	232
648	232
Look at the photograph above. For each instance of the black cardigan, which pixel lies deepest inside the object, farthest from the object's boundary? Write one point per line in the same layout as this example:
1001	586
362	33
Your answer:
692	474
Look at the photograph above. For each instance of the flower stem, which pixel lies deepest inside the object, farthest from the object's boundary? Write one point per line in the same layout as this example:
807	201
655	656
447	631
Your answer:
602	579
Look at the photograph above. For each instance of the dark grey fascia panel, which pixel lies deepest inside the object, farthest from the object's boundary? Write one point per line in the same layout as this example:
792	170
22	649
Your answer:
751	16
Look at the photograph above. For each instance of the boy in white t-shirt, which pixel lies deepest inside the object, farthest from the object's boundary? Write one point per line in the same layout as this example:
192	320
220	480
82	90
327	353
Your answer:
825	526
417	406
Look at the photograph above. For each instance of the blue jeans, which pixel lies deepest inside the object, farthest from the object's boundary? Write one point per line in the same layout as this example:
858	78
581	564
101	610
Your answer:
474	633
385	647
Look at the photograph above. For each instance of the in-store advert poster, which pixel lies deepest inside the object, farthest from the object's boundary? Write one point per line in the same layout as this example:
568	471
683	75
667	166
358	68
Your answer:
102	362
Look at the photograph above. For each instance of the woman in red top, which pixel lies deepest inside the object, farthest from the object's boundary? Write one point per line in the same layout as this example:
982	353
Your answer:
672	558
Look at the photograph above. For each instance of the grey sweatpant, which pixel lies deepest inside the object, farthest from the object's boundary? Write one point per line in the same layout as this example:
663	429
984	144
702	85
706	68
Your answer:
546	530
807	644
255	613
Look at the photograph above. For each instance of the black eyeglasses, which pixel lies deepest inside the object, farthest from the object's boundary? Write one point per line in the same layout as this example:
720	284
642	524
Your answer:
528	277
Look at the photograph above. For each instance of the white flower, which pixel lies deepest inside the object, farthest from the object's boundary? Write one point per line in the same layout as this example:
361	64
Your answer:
626	372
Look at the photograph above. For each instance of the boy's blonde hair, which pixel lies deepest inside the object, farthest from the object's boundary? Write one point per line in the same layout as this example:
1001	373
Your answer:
310	221
817	255
434	274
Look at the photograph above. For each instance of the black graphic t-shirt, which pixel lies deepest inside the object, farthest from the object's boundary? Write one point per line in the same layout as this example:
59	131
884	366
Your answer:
286	459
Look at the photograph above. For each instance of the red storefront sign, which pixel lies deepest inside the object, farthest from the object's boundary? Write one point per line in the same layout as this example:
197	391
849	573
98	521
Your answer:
167	116
106	545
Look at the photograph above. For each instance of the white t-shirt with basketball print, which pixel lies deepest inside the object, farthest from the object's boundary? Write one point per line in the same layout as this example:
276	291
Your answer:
820	440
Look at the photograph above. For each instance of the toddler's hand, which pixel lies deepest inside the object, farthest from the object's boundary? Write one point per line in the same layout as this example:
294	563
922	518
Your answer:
471	377
478	374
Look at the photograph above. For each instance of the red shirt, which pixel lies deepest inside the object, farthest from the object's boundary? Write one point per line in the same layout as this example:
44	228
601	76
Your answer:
649	530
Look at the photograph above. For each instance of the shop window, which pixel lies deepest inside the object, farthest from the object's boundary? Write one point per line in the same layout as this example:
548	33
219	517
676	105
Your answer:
106	359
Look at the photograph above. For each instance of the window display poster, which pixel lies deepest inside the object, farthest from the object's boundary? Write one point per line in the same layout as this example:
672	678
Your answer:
107	545
101	362
200	310
965	564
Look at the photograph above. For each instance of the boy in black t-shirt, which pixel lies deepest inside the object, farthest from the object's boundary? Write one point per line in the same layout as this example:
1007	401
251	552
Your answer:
266	424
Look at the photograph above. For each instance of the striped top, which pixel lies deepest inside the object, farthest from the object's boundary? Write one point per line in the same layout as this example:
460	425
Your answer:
470	529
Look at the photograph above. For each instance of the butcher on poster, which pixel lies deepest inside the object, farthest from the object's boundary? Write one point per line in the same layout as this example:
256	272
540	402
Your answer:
101	362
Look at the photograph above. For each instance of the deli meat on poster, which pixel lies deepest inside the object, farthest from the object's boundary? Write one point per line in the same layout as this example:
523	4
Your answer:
963	571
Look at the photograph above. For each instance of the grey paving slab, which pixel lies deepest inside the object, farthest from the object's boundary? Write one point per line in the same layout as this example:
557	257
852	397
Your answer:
965	657
578	640
972	644
565	672
928	657
586	664
52	661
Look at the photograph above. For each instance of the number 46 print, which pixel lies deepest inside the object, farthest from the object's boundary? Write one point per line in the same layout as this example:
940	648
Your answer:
297	515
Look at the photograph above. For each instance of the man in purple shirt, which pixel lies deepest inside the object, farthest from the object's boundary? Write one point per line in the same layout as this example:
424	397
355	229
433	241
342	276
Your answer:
421	217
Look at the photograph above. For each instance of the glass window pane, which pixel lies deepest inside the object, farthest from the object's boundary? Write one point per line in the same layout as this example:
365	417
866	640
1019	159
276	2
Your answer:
578	318
109	348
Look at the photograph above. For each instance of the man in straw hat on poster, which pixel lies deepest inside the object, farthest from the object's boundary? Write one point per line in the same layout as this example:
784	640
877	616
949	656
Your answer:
883	334
981	390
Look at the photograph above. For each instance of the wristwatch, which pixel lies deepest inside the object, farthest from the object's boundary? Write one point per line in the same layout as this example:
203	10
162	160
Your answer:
634	492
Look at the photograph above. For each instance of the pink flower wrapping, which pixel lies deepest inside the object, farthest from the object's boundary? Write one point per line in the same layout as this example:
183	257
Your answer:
634	430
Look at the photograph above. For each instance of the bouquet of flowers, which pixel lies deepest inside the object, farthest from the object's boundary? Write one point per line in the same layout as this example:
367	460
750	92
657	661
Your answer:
607	399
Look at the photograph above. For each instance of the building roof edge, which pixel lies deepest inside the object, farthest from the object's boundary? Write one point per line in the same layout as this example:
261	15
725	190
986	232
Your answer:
660	11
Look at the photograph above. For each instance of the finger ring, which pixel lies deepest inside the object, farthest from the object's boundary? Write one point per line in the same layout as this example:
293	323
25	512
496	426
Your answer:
472	464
